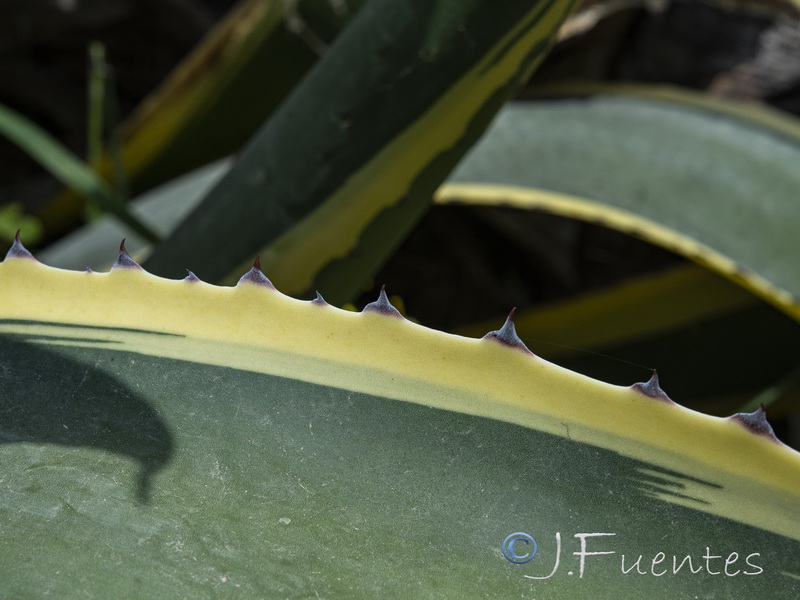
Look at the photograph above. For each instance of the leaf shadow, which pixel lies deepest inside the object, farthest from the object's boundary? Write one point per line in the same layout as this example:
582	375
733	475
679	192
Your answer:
49	398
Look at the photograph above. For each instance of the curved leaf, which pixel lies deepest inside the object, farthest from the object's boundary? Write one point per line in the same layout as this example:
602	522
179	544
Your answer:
717	189
383	135
187	436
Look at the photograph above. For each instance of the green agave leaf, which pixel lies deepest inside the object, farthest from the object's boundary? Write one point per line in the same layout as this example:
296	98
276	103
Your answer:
359	147
716	188
172	438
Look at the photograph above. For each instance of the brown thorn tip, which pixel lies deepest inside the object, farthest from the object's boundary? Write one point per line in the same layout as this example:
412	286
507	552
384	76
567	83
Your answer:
756	422
383	306
652	389
254	275
507	334
124	260
17	250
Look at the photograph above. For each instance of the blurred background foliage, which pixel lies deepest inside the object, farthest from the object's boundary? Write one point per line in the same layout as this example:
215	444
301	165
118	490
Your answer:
679	262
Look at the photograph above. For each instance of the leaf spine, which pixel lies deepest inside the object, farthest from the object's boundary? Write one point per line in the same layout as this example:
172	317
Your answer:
17	250
319	300
255	276
652	389
507	335
124	260
383	306
756	422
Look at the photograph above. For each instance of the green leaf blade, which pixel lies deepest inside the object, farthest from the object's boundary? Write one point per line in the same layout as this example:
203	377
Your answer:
341	493
716	189
291	446
429	95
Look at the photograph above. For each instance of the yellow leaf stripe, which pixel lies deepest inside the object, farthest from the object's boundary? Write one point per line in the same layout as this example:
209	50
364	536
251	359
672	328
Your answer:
621	220
333	230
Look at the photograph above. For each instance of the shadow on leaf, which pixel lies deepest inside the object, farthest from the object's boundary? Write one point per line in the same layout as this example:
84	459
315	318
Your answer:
47	398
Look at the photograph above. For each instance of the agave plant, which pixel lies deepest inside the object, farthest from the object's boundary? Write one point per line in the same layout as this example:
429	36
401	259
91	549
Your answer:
173	437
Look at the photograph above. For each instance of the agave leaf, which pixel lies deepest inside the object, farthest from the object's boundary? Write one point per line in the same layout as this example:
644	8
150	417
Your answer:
189	437
384	133
684	316
715	188
225	89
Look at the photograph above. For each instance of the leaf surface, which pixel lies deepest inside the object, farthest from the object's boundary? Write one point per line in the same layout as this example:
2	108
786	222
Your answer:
185	436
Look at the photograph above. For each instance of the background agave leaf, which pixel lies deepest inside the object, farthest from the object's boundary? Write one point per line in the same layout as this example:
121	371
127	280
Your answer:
180	441
716	189
747	157
225	89
366	161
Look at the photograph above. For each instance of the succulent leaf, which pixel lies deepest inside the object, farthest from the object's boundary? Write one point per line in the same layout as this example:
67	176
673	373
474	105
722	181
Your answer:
205	435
